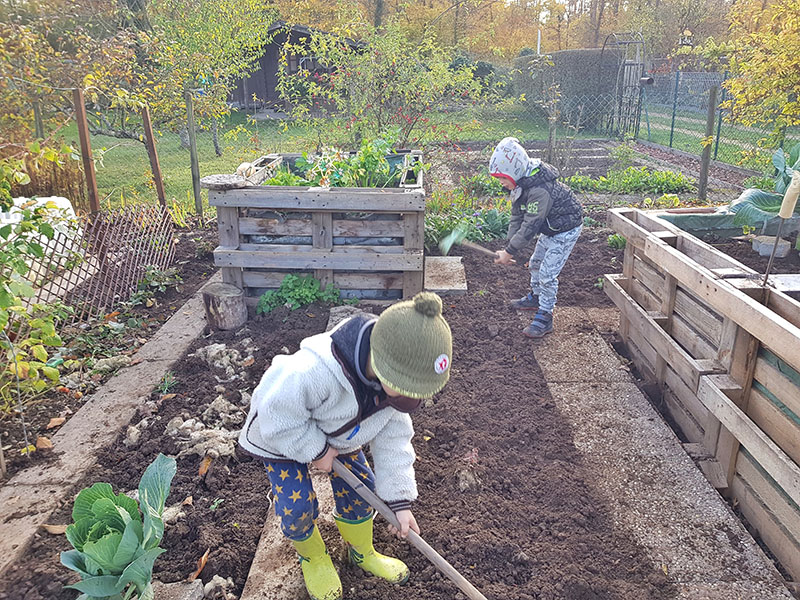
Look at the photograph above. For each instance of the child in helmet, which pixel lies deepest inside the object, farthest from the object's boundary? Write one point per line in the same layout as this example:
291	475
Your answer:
344	389
540	205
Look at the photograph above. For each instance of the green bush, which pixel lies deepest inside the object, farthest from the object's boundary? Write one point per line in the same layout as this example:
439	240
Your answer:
297	291
482	224
482	184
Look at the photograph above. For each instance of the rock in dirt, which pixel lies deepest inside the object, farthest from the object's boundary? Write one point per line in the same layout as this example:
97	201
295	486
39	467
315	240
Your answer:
221	357
763	244
219	589
467	480
246	398
182	590
134	434
340	313
223	413
172	514
107	365
215	443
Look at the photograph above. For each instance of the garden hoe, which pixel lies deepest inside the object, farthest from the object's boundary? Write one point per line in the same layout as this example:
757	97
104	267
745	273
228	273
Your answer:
436	559
786	212
459	236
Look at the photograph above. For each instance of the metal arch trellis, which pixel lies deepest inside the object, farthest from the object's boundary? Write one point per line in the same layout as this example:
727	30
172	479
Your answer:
625	118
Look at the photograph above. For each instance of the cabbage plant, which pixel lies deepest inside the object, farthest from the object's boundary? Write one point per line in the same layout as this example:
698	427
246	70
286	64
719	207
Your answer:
116	538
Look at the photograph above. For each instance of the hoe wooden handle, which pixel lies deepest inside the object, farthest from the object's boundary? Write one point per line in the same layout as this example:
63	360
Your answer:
481	249
436	559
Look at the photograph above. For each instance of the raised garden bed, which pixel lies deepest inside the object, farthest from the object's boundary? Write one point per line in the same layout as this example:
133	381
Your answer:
724	354
366	241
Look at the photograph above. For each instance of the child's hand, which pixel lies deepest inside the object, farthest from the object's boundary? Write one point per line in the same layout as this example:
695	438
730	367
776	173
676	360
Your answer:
326	462
407	521
504	258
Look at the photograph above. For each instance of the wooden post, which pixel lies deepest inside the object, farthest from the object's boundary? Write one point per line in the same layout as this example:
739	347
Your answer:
705	162
225	306
322	238
37	120
198	198
150	142
413	240
228	226
86	150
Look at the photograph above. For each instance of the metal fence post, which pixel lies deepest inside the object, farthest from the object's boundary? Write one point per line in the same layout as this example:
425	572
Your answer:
198	199
674	106
719	117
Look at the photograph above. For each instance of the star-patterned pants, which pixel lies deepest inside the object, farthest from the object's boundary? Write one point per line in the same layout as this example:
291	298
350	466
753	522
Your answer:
296	503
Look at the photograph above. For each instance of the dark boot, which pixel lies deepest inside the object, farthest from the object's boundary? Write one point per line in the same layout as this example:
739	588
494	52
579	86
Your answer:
541	326
529	302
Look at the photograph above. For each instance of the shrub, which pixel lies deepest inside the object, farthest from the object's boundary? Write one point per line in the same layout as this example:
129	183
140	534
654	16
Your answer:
633	180
482	184
297	291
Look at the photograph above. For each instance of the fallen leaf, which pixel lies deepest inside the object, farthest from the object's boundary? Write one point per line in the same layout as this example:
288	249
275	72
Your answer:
77	394
63	389
426	438
28	449
248	362
54	529
189	501
664	568
204	466
149	303
55	422
168	396
201	562
112	316
43	443
310	315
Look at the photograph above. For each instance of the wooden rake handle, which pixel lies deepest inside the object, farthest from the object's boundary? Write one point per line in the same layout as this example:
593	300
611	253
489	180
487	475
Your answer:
481	249
436	559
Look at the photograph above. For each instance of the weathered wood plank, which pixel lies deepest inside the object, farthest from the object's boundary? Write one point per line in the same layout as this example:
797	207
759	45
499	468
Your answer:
772	421
319	259
683	364
341	227
253	226
648	276
322	239
322	199
774	460
696	345
757	319
228	228
339	250
783	385
413	241
688	400
698	315
355	228
785	511
682	417
781	544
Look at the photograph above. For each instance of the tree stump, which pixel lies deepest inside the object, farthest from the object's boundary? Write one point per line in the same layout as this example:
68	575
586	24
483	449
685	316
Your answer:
225	307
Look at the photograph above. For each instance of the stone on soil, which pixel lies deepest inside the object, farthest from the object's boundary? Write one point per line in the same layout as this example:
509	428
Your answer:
339	314
219	589
223	413
182	590
107	365
221	357
763	244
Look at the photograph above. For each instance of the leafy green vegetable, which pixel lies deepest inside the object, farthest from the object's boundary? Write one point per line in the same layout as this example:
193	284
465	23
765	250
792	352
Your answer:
756	207
297	291
115	544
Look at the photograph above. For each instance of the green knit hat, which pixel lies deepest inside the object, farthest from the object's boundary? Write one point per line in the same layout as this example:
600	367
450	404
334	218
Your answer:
412	346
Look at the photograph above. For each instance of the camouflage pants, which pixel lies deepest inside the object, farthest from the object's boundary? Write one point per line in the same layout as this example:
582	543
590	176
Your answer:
548	258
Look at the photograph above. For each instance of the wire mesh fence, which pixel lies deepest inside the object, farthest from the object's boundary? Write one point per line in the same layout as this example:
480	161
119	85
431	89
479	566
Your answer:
674	114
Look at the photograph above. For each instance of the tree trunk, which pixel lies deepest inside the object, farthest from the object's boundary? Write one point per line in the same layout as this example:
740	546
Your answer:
215	137
378	13
225	307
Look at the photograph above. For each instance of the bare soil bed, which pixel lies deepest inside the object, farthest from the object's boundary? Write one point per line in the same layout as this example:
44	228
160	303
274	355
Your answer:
193	263
504	493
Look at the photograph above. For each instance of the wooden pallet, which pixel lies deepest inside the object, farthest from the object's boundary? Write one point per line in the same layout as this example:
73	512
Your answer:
725	353
366	241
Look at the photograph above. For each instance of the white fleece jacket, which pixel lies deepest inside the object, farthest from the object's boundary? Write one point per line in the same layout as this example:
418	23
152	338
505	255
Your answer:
304	397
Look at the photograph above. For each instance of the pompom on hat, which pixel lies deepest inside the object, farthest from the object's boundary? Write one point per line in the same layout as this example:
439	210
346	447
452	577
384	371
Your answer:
412	347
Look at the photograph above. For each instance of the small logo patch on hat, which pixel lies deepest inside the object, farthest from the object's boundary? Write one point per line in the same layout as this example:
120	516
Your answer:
441	364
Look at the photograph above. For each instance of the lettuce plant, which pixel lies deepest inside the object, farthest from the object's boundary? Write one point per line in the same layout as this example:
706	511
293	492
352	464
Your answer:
116	538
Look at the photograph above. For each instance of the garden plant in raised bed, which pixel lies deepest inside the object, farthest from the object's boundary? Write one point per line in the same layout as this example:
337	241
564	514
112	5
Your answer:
297	291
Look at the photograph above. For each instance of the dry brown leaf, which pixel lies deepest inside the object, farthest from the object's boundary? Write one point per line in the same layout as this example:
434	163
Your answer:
310	315
189	501
168	396
55	422
248	362
42	443
149	303
201	562
54	529
204	466
112	316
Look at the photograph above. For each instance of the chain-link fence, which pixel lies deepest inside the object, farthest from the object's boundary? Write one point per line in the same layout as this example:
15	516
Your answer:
674	114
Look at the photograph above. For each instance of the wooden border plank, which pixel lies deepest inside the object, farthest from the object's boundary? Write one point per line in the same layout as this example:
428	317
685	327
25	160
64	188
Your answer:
414	241
697	314
778	383
228	228
341	227
775	423
258	226
774	460
319	259
322	199
786	512
322	239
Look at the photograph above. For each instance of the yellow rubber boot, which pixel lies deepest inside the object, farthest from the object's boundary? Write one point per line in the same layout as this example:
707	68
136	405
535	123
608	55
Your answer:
358	535
322	580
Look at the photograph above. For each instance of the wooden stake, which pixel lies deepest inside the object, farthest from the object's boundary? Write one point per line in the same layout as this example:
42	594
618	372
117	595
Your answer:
86	149
436	559
150	142
198	198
